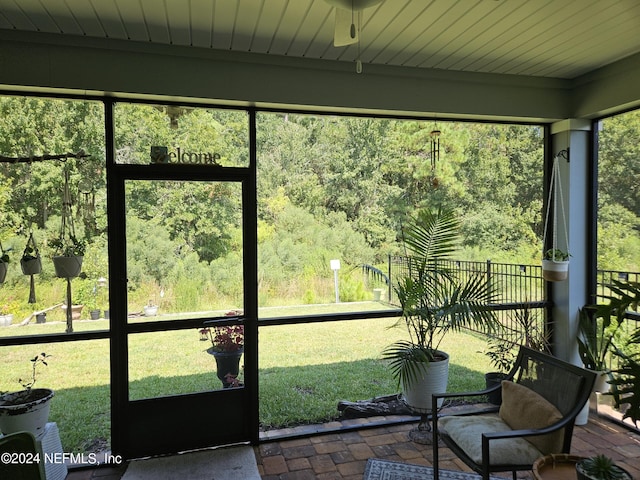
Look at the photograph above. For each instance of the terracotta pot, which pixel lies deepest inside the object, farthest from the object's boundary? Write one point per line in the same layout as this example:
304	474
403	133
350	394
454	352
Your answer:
76	311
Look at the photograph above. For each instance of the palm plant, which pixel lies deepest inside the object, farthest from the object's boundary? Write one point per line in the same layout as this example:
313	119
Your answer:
434	298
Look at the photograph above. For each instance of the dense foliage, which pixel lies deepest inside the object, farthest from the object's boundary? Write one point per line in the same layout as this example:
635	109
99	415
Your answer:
328	187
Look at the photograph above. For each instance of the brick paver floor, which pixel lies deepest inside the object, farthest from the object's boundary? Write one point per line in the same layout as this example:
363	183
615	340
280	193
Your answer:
344	455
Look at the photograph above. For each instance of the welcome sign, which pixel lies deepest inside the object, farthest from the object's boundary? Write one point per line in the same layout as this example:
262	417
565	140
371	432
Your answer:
160	154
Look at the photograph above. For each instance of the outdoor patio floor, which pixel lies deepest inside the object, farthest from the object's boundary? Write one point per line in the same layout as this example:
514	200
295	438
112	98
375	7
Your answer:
343	455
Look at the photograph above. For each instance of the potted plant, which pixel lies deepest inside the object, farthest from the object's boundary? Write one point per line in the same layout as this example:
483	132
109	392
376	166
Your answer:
502	357
150	309
555	261
625	381
4	262
27	409
532	331
6	317
68	248
555	265
434	300
31	262
68	255
597	327
76	310
227	346
600	467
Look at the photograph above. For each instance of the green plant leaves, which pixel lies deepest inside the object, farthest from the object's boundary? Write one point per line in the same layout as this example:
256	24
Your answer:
434	298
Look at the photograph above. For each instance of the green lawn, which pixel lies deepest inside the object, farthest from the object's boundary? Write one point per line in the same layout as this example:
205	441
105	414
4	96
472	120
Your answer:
304	371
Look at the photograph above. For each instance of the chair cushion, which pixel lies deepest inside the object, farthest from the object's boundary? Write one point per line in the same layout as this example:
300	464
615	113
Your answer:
466	432
522	408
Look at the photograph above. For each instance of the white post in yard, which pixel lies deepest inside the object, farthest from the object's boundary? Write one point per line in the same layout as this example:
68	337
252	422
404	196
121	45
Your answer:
335	266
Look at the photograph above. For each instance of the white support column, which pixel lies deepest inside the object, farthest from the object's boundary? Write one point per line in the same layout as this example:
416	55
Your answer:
570	295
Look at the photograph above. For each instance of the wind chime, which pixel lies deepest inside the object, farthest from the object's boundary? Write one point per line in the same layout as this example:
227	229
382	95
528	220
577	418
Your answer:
67	228
434	154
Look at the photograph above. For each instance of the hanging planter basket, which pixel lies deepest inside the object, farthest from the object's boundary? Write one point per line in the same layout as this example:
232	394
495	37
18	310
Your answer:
555	261
4	263
32	266
31	263
3	271
555	271
67	267
69	250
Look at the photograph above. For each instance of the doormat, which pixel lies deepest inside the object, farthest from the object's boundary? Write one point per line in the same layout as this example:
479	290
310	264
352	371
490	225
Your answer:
378	469
228	463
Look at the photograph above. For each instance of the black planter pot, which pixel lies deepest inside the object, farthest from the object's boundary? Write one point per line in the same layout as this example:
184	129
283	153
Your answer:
492	379
67	267
228	364
32	266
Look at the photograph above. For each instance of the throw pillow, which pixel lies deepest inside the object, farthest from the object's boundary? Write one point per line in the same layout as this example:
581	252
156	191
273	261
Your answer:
522	408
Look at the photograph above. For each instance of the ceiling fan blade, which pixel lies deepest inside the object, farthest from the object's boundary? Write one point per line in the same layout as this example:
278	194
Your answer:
347	29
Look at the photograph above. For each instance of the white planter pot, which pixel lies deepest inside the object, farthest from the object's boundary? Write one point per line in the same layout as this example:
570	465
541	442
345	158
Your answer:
67	267
434	379
150	311
555	271
601	385
30	416
6	320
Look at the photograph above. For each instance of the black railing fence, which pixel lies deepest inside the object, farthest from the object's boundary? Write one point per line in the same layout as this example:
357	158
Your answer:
514	284
519	294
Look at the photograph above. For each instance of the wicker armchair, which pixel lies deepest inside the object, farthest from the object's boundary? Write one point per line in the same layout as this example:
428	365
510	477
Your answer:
541	398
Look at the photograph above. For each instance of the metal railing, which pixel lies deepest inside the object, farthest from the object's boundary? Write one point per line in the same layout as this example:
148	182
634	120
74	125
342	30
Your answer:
519	301
513	283
520	290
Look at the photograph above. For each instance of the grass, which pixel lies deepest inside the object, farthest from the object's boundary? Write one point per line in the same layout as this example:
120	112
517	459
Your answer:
305	370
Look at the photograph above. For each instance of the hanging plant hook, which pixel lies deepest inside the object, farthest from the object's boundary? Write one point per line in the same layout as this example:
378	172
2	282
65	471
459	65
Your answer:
564	154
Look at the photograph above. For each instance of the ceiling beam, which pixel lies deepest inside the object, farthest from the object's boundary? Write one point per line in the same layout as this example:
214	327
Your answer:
82	65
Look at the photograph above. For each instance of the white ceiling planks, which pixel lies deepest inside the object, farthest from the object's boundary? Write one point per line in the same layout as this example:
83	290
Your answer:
551	38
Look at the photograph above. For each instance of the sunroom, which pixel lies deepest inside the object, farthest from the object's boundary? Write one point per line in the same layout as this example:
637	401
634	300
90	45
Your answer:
197	101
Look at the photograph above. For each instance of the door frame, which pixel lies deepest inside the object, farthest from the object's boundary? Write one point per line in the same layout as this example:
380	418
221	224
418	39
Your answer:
149	427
